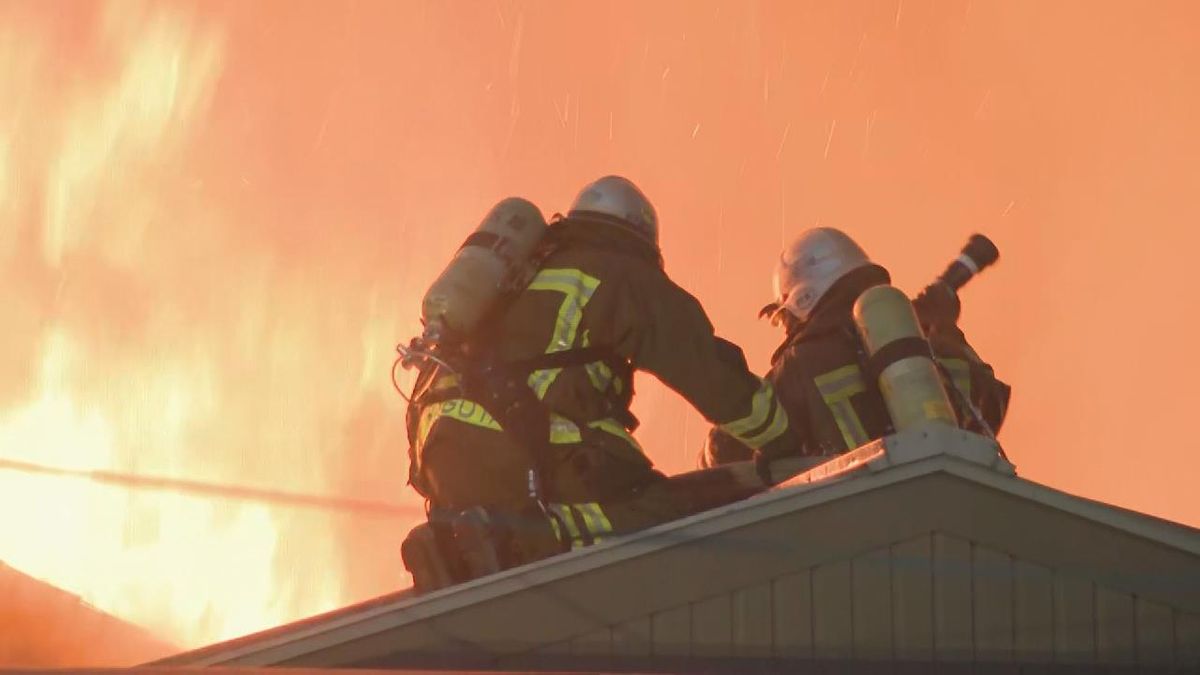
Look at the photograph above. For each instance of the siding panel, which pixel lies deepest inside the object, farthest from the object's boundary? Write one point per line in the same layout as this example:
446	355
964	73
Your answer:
632	638
912	599
992	586
871	588
1034	612
952	615
555	649
1187	639
672	632
833	619
1114	627
596	643
712	627
793	613
1155	633
1074	620
752	615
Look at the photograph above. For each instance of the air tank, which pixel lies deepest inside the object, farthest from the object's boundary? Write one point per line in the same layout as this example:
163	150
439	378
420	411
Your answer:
488	263
901	359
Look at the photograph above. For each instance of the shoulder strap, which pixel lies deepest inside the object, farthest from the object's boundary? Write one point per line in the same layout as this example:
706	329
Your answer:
578	356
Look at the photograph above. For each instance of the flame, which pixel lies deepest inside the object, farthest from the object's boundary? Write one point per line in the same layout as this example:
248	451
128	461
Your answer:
215	219
205	569
134	369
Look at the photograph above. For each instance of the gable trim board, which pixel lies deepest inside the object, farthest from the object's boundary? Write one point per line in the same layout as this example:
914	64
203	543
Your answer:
42	625
930	483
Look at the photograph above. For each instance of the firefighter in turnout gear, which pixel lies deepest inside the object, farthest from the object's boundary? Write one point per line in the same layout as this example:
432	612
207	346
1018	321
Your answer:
565	470
818	370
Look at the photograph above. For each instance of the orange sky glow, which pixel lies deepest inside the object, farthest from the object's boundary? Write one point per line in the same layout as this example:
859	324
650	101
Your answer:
217	220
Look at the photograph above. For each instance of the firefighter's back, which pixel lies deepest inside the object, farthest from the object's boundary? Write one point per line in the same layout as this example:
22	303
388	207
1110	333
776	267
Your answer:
581	290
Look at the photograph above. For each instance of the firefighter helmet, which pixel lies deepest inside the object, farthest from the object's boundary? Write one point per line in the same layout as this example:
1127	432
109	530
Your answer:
809	267
617	201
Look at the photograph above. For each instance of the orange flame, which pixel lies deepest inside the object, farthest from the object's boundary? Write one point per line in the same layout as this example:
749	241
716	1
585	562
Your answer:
134	362
215	219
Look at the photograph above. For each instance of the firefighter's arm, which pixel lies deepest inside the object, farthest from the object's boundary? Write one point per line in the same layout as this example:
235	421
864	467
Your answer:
974	377
721	448
672	338
938	309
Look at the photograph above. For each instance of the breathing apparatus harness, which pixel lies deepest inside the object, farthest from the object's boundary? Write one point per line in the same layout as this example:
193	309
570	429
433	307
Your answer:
502	388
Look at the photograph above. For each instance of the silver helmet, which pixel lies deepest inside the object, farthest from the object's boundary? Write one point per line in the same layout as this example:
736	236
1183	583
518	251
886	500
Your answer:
617	201
809	267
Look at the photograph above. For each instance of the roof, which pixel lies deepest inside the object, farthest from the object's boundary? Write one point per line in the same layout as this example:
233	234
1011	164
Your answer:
922	546
42	625
179	670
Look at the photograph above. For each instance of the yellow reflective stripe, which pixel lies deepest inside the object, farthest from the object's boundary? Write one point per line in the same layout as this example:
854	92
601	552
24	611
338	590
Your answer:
564	512
459	409
778	426
841	383
960	374
598	522
578	289
589	521
848	422
597	371
836	387
760	408
562	430
594	520
600	375
614	427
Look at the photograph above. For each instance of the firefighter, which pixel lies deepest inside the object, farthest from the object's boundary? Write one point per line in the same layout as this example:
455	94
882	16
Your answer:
818	369
599	307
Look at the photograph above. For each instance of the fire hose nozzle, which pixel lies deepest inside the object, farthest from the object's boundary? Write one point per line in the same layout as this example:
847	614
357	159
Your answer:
979	254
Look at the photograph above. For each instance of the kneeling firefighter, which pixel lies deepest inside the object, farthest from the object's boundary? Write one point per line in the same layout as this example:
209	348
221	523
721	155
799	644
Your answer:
832	371
519	422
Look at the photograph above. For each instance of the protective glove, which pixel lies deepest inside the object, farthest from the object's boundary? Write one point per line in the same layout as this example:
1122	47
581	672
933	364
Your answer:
721	448
762	466
937	305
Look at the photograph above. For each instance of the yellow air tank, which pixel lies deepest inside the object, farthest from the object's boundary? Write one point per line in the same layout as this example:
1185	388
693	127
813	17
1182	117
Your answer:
900	359
491	260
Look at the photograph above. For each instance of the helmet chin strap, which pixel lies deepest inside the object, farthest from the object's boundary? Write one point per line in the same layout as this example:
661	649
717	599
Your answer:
791	323
779	315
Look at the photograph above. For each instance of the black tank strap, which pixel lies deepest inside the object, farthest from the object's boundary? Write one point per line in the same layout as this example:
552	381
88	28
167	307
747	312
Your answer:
484	239
579	356
893	352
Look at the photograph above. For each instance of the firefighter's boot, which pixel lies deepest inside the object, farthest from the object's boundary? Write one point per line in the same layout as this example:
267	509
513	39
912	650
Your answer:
478	540
538	535
423	557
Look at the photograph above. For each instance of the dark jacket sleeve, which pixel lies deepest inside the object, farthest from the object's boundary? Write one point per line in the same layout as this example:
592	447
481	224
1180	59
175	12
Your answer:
722	448
667	333
971	376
